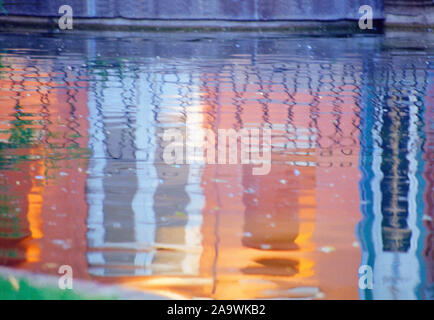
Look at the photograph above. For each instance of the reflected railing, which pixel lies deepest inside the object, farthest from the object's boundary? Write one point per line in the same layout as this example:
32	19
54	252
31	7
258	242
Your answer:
84	182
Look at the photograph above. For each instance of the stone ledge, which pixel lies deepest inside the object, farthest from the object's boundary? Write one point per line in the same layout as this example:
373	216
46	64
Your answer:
409	17
414	18
122	24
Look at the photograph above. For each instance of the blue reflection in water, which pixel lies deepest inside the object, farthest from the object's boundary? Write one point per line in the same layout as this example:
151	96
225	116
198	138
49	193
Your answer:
392	186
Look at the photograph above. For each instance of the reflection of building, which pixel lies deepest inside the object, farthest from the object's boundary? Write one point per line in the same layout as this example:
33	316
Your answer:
186	223
143	213
42	161
391	231
428	199
267	222
204	230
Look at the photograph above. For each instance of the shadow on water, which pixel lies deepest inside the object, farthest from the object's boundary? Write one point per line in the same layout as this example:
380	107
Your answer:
84	182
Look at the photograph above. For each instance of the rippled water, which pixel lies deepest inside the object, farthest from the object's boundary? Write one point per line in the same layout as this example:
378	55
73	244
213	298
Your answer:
83	181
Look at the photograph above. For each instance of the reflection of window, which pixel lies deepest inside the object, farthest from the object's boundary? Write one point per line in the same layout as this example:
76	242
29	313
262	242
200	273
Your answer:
139	223
395	184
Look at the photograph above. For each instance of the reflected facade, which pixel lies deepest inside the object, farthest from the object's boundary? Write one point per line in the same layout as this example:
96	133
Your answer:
393	186
84	180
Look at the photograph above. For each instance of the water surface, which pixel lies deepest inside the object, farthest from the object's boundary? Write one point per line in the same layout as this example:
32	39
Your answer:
83	181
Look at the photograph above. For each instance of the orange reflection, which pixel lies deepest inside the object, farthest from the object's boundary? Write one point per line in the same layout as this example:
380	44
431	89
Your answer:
35	200
45	179
289	233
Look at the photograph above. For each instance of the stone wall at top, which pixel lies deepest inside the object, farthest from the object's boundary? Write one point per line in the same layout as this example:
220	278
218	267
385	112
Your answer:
239	10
